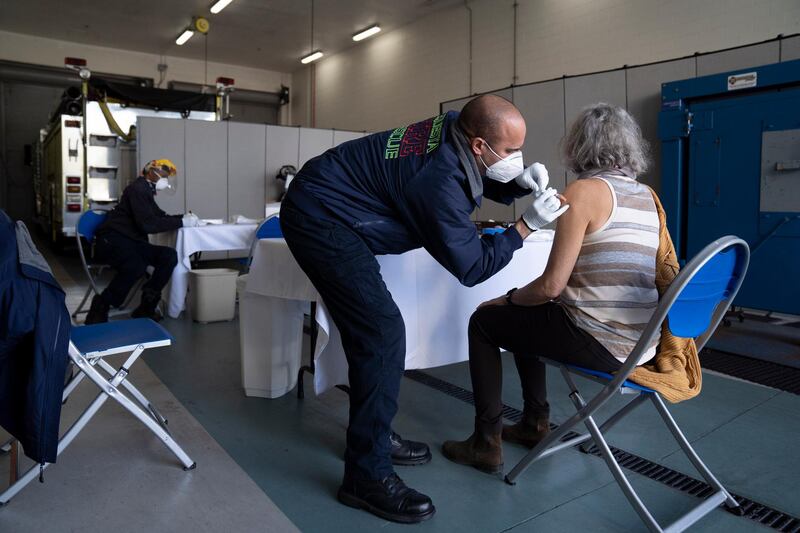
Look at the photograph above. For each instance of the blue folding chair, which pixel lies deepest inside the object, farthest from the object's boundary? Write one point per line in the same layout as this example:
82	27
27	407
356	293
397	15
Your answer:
270	228
87	348
87	225
694	305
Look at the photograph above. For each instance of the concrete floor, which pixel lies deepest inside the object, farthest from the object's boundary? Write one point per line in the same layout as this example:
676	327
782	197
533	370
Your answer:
292	448
252	452
117	476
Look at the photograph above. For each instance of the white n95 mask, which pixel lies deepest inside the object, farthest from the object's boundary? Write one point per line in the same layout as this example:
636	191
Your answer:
506	169
166	184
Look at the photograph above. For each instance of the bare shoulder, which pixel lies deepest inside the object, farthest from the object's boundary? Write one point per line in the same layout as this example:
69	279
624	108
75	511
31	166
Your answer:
587	191
592	198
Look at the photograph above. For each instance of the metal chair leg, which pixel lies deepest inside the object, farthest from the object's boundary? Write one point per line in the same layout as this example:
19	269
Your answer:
111	390
65	441
73	383
687	448
137	395
80	308
596	434
546	447
605	451
619	475
616	417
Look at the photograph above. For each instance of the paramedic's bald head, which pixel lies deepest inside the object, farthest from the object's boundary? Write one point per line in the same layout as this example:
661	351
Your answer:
494	120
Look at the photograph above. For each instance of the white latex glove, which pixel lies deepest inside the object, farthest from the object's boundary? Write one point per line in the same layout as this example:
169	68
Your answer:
546	207
190	220
535	178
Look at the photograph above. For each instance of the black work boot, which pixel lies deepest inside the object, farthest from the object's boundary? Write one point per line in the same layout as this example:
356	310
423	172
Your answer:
147	307
528	431
98	312
388	498
408	452
482	450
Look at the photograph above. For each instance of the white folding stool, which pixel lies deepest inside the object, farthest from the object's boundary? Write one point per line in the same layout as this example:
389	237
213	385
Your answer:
87	347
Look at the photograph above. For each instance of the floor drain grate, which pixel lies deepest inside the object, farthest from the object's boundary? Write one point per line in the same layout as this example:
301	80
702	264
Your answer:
767	373
754	511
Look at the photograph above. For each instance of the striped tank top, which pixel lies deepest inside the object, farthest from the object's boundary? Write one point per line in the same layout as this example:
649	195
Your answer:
611	293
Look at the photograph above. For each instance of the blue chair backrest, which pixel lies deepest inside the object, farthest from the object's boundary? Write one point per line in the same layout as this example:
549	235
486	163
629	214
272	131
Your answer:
713	283
270	229
89	222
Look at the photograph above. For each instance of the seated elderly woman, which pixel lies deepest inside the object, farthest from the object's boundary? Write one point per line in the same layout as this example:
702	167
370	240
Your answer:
590	305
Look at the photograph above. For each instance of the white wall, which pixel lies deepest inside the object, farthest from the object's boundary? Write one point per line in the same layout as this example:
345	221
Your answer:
51	52
403	75
300	99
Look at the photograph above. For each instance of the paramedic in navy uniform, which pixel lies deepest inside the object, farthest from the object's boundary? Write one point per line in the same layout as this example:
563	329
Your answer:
388	193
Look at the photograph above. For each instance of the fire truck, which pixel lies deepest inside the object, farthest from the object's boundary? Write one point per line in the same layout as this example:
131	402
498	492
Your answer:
86	154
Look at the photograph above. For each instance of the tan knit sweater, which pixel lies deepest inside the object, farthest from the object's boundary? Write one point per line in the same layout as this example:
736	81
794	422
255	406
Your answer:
675	370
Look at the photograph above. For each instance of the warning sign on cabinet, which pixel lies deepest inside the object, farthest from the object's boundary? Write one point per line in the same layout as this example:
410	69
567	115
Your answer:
742	81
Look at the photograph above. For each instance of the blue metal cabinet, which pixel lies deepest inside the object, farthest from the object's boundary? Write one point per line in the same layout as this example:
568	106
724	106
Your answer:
731	165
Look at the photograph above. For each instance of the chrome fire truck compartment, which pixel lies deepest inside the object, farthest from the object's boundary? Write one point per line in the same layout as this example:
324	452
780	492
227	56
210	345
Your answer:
62	192
62	170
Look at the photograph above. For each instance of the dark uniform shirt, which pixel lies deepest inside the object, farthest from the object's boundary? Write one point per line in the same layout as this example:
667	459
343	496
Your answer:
137	215
411	187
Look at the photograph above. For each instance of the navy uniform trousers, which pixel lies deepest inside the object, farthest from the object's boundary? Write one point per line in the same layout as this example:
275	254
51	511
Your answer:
130	258
347	276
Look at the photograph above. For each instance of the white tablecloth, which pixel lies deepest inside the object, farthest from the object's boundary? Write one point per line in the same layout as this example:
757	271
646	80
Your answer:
188	241
435	306
272	208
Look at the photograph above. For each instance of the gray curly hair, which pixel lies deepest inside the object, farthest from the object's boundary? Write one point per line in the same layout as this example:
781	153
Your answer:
604	136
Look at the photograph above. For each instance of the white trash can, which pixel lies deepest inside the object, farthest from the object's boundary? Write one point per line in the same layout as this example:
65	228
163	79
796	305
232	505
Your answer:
270	348
213	294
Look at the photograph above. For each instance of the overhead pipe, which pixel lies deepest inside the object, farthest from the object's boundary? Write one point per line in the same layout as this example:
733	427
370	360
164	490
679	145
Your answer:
59	77
38	76
255	97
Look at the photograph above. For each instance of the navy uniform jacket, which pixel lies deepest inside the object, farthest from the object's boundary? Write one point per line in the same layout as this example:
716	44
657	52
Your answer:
34	338
137	214
411	187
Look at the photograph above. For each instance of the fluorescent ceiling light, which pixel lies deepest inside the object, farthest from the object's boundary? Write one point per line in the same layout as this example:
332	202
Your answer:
185	36
369	32
219	5
313	56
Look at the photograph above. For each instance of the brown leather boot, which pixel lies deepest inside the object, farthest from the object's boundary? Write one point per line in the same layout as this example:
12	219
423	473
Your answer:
528	432
484	452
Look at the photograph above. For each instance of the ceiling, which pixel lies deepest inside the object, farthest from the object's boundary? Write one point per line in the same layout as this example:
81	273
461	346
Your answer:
268	34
